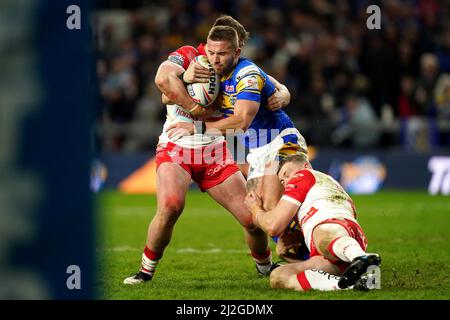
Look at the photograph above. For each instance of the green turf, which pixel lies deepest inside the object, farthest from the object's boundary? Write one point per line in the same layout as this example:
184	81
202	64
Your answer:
208	258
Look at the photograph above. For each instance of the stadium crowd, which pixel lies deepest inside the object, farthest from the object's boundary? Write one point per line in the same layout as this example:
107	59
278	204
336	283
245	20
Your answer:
350	86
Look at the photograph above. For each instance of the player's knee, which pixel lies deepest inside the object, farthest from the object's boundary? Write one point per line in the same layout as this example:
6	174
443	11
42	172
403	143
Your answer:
278	278
246	220
171	206
275	278
324	234
322	247
250	227
161	81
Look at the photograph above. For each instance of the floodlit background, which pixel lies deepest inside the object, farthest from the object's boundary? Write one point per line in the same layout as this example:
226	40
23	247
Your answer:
365	100
351	86
79	114
373	105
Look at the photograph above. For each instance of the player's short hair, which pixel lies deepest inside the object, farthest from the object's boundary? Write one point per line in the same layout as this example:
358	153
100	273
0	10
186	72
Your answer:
226	20
224	33
300	158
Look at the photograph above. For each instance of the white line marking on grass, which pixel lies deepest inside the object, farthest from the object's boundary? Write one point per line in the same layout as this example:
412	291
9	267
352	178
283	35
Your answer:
119	249
209	251
180	250
128	211
148	211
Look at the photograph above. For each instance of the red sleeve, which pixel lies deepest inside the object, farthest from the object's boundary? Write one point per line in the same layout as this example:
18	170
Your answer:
298	187
183	56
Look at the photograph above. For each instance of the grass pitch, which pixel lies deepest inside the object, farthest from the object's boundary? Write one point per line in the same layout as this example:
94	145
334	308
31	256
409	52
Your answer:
208	258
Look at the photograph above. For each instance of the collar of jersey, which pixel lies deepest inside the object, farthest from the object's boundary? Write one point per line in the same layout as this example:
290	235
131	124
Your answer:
228	76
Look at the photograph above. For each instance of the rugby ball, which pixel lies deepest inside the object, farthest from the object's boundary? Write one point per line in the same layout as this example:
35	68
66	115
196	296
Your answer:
205	93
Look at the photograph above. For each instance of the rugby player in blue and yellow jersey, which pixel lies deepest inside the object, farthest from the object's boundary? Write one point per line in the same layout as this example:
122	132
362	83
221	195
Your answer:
269	135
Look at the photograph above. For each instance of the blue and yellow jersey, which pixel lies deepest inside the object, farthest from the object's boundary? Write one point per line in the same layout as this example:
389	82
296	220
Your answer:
248	82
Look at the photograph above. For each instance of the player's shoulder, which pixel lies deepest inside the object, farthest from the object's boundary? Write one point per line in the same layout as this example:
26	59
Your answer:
300	184
183	55
187	49
246	67
303	175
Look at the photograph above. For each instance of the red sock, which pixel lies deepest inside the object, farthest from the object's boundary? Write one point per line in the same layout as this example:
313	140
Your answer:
151	254
262	258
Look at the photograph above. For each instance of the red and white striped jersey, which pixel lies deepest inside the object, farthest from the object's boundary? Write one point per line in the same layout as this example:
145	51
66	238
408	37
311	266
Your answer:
319	198
182	57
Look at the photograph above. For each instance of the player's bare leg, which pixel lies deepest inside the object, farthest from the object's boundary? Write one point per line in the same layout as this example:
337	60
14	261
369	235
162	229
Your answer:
315	273
319	272
324	234
271	187
172	184
334	242
268	187
231	194
244	168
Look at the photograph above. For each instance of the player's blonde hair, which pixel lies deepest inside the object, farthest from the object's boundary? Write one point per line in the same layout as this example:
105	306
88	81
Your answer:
224	33
226	20
299	158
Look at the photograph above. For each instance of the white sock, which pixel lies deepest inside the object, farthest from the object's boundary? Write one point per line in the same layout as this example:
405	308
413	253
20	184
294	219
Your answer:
264	268
318	280
149	265
346	249
263	263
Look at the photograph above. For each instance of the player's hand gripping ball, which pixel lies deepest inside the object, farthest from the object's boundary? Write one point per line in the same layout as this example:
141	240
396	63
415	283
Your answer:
205	93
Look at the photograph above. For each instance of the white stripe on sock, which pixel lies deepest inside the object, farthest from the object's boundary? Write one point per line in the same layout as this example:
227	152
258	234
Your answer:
347	249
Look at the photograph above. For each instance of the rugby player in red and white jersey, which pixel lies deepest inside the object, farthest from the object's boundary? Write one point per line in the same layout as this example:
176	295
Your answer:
327	217
180	159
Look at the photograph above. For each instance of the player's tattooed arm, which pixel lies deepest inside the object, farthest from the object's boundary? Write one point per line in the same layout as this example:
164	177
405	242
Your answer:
172	87
280	98
273	222
244	113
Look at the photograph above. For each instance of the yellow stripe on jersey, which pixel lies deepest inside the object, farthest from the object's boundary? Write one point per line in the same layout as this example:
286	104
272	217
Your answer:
252	82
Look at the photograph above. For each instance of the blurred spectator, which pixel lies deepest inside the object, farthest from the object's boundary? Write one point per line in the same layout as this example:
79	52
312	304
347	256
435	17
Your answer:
408	62
379	64
442	96
358	125
318	107
120	90
429	66
395	79
406	106
443	52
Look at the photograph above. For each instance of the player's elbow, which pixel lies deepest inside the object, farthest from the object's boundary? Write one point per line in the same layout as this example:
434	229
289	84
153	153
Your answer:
162	82
243	128
243	125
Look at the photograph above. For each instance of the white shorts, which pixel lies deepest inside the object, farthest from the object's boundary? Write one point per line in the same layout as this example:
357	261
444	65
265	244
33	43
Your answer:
288	142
